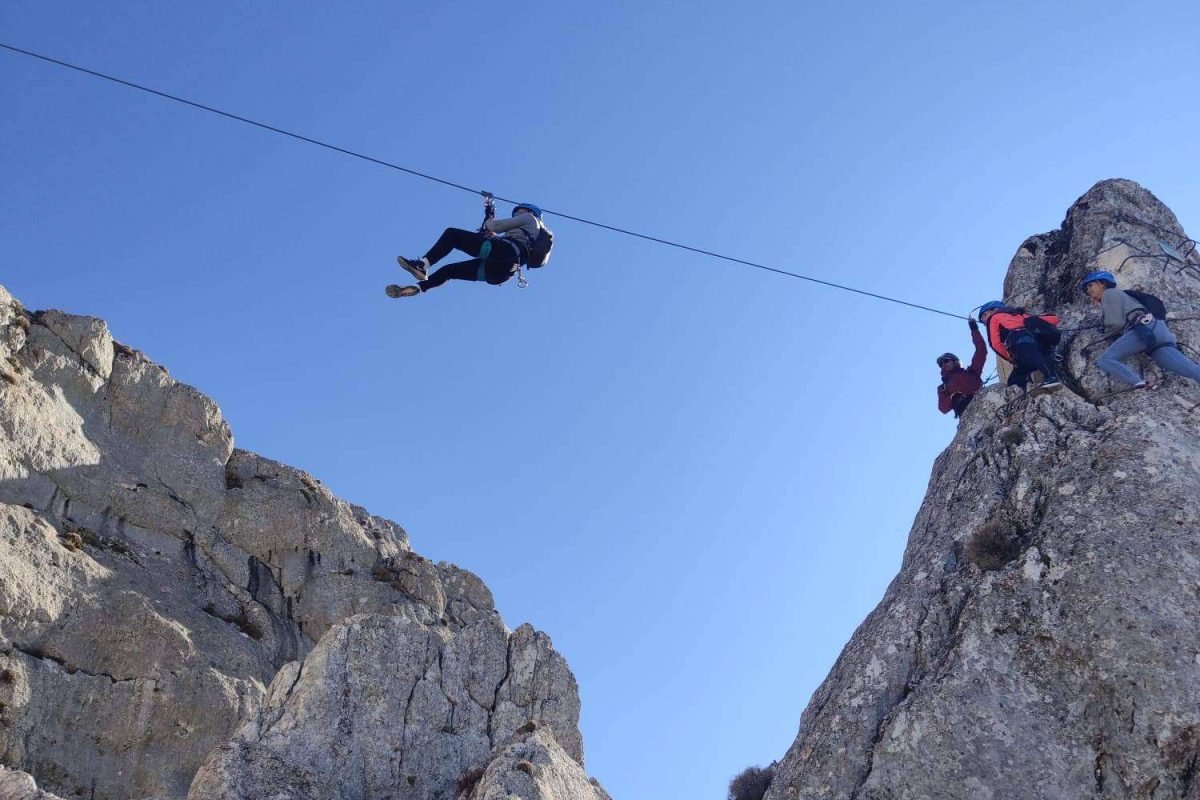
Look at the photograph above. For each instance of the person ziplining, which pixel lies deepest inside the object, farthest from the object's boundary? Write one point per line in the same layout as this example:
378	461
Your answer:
500	248
401	291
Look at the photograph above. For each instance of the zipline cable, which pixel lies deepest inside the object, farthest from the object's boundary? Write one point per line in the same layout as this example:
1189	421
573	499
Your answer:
452	184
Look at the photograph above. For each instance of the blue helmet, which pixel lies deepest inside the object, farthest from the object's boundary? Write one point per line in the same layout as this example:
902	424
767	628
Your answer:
530	207
1106	277
991	305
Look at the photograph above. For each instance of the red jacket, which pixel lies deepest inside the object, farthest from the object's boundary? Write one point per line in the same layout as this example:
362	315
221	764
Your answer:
963	382
1004	322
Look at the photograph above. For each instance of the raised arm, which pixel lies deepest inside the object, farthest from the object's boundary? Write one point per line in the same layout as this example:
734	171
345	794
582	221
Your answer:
502	225
980	356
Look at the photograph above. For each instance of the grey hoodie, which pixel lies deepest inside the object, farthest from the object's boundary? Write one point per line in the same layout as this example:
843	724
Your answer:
521	229
1118	307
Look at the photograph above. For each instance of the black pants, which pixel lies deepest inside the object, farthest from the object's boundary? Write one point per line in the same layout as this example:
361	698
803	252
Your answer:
960	405
496	269
1031	354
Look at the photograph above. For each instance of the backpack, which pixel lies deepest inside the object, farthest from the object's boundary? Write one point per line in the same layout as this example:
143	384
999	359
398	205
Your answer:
539	248
1043	331
1152	303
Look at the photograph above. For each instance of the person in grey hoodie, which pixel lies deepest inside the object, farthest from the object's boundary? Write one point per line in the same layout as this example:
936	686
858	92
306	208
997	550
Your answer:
1137	331
499	248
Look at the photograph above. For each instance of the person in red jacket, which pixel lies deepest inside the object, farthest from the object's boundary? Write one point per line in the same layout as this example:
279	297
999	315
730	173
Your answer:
959	385
1025	341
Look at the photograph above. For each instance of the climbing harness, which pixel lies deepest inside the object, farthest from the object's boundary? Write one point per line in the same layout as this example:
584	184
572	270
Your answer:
1160	346
1143	326
489	213
485	253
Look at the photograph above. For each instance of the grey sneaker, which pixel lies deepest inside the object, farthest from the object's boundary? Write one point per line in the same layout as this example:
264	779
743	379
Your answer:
415	267
1047	386
402	291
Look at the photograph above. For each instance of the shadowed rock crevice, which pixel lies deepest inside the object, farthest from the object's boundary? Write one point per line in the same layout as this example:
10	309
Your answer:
36	653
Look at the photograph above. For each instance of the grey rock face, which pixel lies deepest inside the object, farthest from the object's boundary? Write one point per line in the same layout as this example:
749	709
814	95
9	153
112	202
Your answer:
154	580
363	718
1042	639
15	785
532	766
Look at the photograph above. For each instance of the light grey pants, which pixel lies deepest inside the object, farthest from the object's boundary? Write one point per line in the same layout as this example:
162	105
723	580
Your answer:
1130	344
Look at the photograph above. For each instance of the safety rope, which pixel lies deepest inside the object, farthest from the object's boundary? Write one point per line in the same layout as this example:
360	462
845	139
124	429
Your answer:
390	165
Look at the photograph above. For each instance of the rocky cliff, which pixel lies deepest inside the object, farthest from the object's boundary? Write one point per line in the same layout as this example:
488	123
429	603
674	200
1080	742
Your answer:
179	618
1042	639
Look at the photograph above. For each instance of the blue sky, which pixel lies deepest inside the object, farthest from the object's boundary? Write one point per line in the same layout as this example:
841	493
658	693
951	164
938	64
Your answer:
696	477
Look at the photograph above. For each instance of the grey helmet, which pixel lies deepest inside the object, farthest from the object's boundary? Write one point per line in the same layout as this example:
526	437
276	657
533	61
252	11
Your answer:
944	357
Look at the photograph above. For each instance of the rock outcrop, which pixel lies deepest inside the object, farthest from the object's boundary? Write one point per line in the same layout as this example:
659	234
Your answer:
15	785
1042	639
386	706
168	603
531	766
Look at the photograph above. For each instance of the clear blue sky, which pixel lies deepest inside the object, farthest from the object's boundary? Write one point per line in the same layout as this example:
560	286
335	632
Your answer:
696	477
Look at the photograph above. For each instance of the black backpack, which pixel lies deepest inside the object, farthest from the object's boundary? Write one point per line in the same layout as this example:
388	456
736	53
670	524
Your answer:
1152	303
539	248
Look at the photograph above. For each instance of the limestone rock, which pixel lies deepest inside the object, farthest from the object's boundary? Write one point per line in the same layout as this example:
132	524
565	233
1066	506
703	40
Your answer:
154	580
539	687
388	707
103	676
531	766
1042	638
15	785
